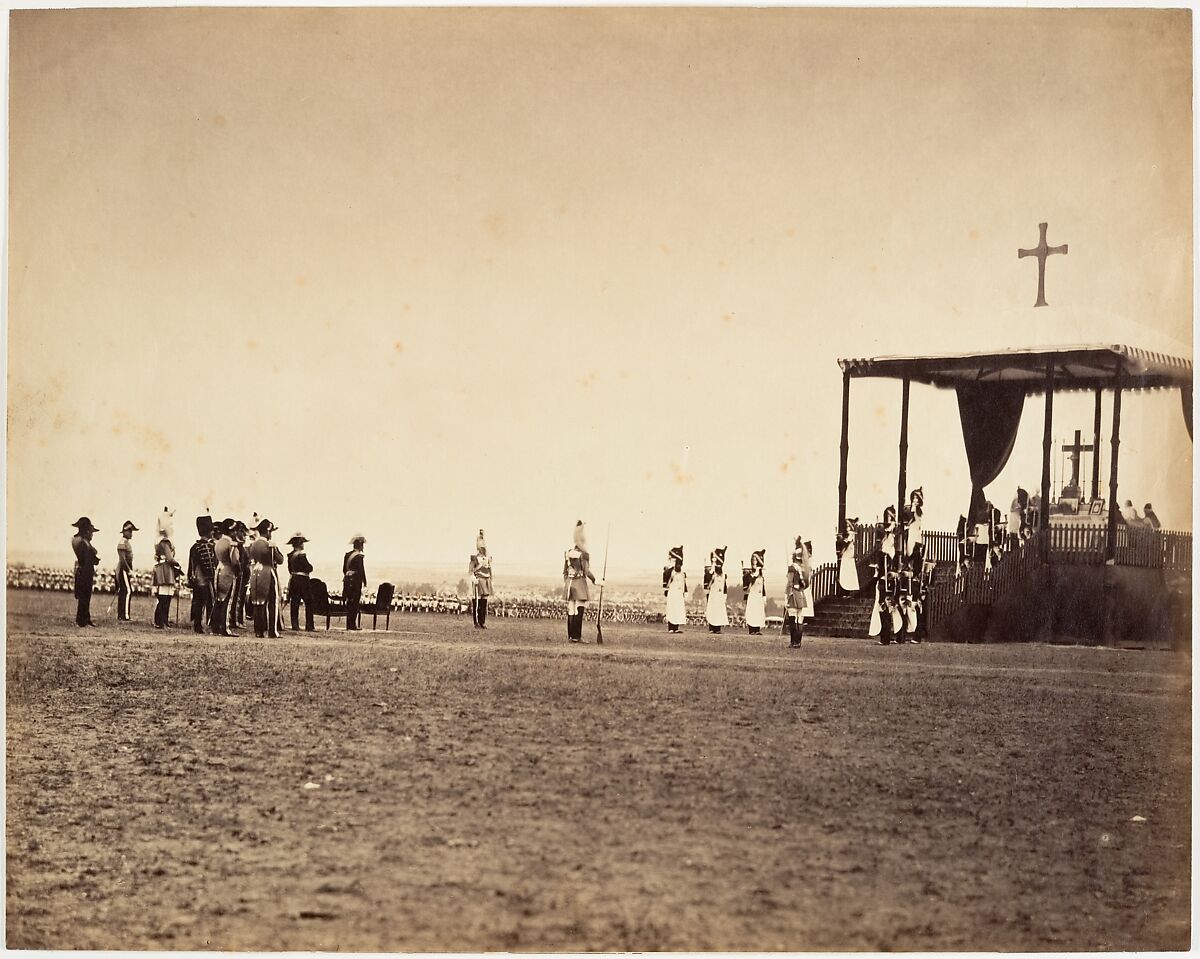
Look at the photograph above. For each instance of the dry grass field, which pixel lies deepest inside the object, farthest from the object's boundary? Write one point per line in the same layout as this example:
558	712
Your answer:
437	788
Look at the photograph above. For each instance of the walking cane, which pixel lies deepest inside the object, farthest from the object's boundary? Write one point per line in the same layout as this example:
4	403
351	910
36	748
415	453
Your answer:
603	577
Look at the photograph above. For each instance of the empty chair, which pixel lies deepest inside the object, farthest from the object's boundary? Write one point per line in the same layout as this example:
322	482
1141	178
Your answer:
323	604
382	606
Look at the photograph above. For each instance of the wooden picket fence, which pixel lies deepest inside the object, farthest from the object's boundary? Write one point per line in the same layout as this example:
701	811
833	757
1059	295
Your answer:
1065	546
824	581
940	547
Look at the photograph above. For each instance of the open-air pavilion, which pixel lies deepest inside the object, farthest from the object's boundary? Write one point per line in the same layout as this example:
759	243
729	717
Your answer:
991	389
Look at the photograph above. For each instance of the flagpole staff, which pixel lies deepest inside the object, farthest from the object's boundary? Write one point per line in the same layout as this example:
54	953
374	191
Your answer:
603	577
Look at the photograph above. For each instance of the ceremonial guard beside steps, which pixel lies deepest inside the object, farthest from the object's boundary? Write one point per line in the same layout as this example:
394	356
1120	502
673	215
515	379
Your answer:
265	560
716	609
675	589
299	583
480	571
86	559
125	571
755	586
576	575
354	581
799	573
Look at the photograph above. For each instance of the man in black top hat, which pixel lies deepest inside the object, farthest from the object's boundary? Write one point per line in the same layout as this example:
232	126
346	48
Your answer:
299	571
202	570
125	571
86	559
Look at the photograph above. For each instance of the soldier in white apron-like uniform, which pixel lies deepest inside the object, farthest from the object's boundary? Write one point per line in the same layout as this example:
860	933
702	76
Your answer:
675	589
755	585
716	610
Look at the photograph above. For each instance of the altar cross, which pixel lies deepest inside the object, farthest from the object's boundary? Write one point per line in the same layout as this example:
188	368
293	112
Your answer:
1041	251
1075	453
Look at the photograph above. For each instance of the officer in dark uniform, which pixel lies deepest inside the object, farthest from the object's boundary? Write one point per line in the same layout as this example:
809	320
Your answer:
243	578
299	571
87	557
354	580
201	573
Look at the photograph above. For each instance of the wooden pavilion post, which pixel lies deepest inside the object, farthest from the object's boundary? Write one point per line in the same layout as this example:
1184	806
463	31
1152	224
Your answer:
845	451
1096	448
902	481
1110	547
1044	512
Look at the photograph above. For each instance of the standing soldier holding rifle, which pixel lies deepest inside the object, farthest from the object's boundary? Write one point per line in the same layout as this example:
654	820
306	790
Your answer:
576	574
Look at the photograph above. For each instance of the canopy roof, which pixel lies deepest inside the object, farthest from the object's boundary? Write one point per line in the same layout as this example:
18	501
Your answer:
1075	368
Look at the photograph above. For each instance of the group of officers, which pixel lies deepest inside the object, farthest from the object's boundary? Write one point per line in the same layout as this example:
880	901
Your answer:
233	569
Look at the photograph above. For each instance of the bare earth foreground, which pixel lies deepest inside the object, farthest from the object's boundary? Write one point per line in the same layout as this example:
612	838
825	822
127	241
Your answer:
503	790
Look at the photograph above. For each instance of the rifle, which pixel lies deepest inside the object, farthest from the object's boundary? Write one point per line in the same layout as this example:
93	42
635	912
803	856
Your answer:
603	576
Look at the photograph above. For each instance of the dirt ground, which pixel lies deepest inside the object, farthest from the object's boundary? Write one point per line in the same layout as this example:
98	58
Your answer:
437	788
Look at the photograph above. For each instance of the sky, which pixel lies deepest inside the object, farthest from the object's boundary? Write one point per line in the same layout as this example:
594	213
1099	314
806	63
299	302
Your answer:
411	273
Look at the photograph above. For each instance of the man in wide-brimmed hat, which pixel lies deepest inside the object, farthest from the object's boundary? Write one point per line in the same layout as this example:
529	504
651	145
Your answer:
86	560
299	571
201	572
265	560
125	571
354	581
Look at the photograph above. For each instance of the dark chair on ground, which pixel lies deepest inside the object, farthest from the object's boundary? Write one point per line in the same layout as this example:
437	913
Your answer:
322	603
382	606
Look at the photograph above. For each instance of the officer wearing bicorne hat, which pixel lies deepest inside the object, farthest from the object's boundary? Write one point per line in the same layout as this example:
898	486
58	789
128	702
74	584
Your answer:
125	571
799	573
299	591
265	560
87	557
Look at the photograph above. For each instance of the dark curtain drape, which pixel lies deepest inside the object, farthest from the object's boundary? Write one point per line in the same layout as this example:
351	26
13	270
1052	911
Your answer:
1187	408
990	414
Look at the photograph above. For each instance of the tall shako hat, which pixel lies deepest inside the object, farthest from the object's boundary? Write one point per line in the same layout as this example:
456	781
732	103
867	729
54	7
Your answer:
128	525
480	543
204	524
580	538
84	523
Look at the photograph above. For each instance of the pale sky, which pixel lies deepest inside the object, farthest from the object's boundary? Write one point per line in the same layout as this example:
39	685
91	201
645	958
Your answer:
413	272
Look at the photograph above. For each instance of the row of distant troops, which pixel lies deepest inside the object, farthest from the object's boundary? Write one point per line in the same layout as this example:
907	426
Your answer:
232	568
